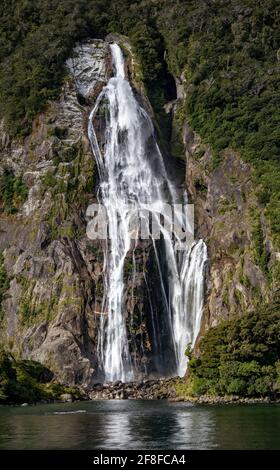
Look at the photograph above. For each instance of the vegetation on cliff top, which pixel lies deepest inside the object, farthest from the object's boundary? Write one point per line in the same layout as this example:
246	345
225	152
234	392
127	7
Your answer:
240	356
35	40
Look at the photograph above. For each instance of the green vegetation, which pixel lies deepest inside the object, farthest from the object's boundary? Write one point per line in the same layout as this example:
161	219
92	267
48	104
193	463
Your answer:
68	184
30	311
238	357
228	53
226	206
35	39
28	381
13	191
4	283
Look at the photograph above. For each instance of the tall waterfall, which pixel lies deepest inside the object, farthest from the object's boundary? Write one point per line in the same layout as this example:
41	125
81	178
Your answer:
132	173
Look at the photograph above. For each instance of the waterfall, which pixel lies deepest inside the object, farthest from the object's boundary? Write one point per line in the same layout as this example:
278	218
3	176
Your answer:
132	173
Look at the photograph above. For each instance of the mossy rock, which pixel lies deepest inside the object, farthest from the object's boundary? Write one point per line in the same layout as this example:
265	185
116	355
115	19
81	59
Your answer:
26	381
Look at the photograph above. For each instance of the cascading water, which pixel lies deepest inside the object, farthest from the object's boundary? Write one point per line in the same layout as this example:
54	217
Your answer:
132	174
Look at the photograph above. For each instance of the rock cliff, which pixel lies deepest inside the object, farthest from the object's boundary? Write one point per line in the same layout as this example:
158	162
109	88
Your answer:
51	283
52	271
243	269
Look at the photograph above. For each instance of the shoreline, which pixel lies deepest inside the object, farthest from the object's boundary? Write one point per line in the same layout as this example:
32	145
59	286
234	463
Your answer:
214	401
157	390
205	400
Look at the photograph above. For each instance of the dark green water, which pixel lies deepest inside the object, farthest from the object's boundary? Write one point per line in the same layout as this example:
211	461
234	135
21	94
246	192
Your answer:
140	425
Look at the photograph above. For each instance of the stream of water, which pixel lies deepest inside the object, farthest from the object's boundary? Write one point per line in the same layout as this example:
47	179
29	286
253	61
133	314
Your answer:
133	177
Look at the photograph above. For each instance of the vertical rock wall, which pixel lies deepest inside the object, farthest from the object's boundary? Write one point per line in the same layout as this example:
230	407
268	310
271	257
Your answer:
54	272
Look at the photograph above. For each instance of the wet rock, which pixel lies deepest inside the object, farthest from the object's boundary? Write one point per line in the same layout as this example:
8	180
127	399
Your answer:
43	236
254	274
116	384
148	390
88	66
98	387
225	199
66	397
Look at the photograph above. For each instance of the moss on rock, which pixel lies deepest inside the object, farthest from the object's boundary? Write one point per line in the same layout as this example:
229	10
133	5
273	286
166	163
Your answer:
24	381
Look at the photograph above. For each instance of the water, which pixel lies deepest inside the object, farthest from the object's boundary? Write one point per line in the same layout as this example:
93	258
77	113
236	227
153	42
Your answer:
132	173
140	425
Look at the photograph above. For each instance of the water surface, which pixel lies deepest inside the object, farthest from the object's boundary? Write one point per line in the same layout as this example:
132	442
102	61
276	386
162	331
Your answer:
130	424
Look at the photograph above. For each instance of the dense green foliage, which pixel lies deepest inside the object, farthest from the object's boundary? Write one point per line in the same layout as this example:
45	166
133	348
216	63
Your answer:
28	381
239	357
13	191
228	52
35	40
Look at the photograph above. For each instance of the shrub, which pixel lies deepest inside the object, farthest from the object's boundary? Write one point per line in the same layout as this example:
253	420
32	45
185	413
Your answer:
13	191
239	356
28	381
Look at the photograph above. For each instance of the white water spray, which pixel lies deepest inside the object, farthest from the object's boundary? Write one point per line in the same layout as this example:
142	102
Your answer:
131	174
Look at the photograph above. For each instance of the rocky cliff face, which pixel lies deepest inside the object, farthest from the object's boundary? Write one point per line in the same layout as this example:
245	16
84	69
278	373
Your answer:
51	283
243	269
243	265
52	271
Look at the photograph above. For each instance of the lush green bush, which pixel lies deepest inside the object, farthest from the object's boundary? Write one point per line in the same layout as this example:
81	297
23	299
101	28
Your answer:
21	381
240	356
13	191
28	381
35	39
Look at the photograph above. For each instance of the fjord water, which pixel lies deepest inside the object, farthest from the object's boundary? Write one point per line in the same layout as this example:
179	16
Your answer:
133	175
130	424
